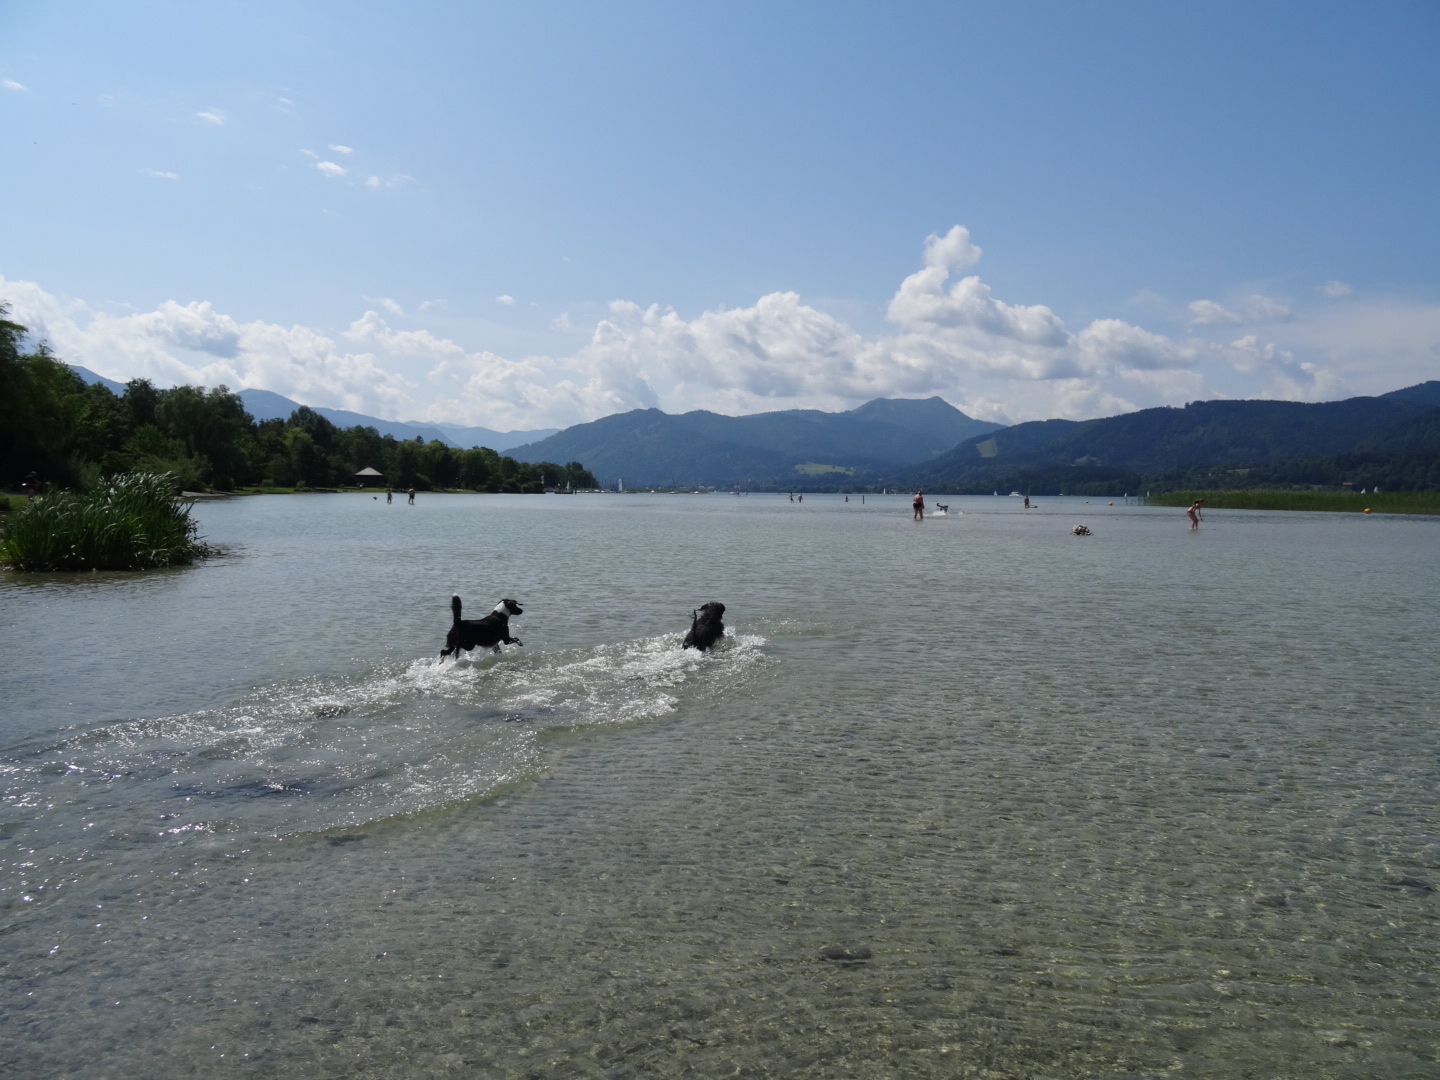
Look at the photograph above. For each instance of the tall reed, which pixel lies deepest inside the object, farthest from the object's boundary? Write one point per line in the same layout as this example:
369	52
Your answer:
132	522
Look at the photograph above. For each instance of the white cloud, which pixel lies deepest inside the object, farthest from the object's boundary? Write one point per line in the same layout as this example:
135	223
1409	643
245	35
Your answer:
386	182
213	116
506	299
329	168
1209	313
11	84
1252	309
950	337
161	175
342	149
310	154
1335	289
388	304
434	305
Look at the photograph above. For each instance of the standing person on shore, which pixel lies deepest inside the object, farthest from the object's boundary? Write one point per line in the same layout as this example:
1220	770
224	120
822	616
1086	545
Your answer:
917	504
412	496
1194	513
389	496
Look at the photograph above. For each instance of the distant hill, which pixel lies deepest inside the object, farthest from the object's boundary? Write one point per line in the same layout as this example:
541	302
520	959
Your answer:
91	379
792	447
1203	434
267	405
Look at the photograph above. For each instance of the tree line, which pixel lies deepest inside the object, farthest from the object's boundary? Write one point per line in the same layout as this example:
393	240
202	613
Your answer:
74	435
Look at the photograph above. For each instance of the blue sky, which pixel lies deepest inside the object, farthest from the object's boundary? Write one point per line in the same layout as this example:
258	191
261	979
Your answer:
532	215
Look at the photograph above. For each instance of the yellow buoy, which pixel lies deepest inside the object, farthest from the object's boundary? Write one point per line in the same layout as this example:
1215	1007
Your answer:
1367	509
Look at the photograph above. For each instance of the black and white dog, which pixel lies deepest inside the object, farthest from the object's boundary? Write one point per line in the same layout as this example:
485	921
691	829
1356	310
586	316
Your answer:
705	627
486	633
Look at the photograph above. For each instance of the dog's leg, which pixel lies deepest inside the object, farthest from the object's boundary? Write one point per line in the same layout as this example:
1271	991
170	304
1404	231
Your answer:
511	641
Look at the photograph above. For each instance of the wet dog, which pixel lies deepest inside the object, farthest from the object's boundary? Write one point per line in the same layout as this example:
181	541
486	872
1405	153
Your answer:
487	633
705	627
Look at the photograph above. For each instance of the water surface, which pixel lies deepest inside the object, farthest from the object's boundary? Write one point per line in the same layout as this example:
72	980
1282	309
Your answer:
1141	802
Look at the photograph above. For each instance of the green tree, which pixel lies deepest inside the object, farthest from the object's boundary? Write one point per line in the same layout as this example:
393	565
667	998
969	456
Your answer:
212	424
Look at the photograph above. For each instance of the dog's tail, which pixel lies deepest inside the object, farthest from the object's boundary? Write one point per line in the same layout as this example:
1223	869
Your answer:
455	606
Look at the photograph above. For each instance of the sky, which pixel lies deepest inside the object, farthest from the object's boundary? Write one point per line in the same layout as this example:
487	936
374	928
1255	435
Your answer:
535	215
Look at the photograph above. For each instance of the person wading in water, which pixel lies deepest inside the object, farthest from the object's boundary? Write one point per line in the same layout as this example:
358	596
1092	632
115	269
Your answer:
918	505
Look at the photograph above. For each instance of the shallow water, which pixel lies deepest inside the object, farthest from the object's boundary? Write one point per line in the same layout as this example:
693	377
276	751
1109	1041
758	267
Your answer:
1141	802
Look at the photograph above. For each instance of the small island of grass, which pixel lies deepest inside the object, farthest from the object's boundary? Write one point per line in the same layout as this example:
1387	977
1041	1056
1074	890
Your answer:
131	522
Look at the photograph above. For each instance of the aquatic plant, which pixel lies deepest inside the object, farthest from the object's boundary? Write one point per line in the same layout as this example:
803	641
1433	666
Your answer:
131	522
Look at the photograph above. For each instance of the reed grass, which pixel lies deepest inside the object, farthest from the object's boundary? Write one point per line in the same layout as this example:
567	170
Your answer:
132	522
1384	502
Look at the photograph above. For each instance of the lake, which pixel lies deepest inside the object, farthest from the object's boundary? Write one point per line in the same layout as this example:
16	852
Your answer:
970	797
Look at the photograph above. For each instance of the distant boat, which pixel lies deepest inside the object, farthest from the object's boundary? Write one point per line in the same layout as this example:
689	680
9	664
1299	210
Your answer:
1016	495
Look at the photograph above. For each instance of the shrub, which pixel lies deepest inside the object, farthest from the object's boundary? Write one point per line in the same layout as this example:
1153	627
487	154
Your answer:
132	522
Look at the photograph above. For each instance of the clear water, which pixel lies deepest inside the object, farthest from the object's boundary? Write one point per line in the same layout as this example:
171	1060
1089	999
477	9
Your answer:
1141	803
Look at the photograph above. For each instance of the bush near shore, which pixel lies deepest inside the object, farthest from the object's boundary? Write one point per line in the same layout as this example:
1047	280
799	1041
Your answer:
1380	502
132	522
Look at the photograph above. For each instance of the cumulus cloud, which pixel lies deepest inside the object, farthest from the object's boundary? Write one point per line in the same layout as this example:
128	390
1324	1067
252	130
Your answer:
506	299
11	84
212	116
948	335
1335	289
342	149
329	168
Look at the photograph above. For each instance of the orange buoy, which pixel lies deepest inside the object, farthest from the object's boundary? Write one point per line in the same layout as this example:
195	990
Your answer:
1367	509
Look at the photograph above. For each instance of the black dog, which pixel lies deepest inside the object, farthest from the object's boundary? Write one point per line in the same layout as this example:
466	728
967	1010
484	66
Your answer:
486	633
705	627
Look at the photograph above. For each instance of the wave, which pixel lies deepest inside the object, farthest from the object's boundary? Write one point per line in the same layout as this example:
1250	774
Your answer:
325	753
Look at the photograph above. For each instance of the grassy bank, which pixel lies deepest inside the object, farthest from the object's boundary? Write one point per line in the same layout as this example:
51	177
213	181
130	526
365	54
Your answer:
132	523
1385	502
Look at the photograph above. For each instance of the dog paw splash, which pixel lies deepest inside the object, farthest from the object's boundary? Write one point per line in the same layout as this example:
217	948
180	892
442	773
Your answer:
316	754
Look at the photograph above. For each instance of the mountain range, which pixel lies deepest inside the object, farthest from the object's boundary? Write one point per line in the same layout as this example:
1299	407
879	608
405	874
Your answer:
647	447
267	405
1152	442
1394	438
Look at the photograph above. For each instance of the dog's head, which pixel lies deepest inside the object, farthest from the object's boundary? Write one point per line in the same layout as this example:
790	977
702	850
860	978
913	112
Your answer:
712	610
508	607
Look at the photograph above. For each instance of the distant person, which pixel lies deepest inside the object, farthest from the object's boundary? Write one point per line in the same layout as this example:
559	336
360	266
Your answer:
412	496
847	498
792	496
389	496
800	499
31	486
1194	513
917	505
1027	502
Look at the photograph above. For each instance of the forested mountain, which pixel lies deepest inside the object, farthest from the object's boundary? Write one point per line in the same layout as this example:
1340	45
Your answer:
1264	441
648	447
